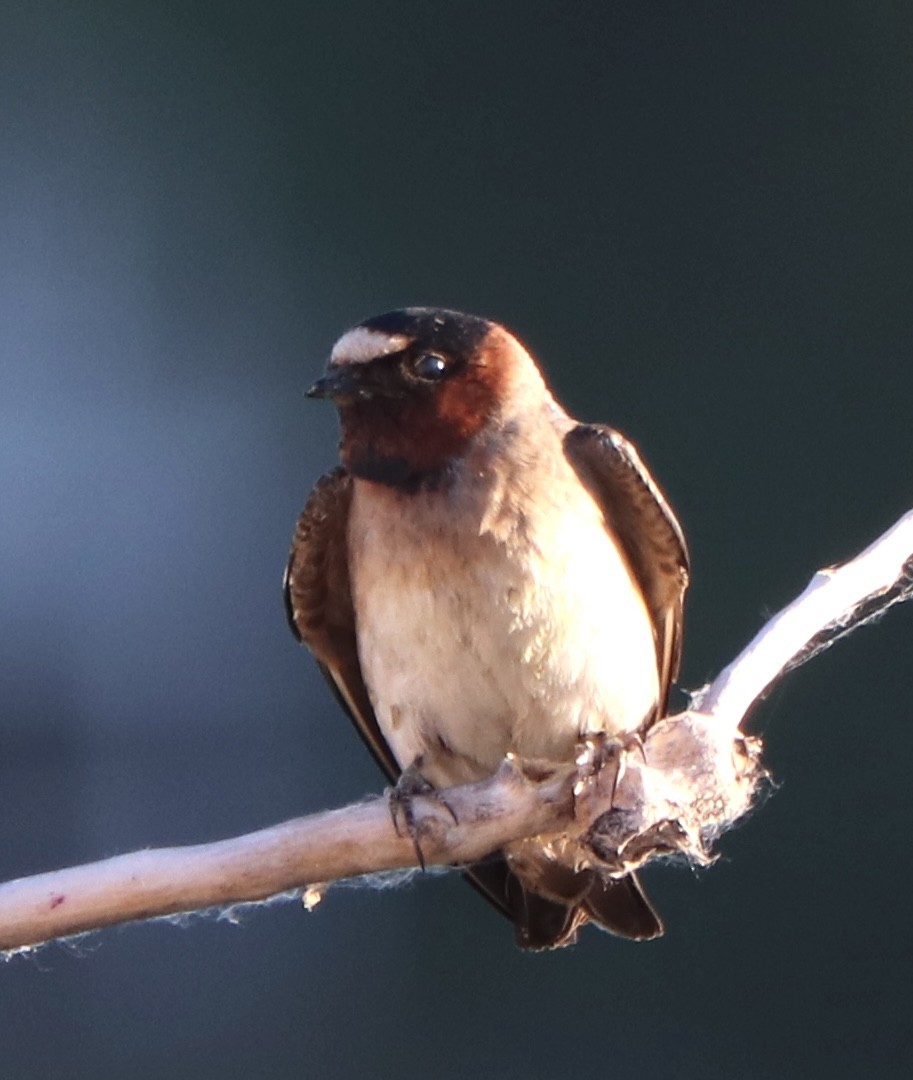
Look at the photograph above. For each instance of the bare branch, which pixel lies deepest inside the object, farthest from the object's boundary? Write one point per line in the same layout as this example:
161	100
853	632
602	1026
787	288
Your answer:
836	600
692	777
307	851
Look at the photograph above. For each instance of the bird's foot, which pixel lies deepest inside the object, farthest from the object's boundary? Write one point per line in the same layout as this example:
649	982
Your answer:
601	765
410	784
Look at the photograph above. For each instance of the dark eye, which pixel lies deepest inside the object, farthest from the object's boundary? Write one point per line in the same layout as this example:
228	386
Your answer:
431	366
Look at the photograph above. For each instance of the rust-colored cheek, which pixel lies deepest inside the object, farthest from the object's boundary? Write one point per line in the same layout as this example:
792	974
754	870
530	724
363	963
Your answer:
463	406
423	431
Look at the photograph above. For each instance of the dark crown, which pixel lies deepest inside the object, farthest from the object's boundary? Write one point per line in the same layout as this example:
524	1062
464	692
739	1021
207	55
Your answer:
451	332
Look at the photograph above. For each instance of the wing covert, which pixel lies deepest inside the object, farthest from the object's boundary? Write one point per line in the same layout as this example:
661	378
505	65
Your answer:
640	516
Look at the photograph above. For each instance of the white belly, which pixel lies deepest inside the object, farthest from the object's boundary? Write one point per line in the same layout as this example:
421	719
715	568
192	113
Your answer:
521	636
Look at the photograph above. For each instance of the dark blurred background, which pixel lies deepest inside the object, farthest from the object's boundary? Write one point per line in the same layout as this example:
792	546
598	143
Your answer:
699	215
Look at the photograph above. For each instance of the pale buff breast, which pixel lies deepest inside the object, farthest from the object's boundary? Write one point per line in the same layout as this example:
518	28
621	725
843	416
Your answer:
491	620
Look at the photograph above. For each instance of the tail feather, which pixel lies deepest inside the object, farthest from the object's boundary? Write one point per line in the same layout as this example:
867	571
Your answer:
620	906
548	908
541	924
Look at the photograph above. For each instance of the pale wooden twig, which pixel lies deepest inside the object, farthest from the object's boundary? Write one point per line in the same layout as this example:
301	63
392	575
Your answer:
832	599
692	777
307	851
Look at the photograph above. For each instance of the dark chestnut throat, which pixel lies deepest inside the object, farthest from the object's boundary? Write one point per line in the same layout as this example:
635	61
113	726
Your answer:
401	445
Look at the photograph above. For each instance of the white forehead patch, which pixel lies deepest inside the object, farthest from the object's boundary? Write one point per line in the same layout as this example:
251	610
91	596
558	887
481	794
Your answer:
361	345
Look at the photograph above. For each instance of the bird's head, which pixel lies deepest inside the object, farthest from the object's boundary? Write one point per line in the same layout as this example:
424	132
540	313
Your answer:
416	387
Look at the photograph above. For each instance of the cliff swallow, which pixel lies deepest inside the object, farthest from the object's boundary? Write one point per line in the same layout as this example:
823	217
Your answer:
484	574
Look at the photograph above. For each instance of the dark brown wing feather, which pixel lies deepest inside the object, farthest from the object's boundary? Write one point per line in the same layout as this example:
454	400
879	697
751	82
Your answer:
639	515
637	512
318	602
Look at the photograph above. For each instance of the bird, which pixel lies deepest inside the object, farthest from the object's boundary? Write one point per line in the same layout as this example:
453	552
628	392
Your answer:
481	575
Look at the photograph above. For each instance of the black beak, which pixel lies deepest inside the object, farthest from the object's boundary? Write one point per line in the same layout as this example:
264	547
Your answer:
337	385
348	383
